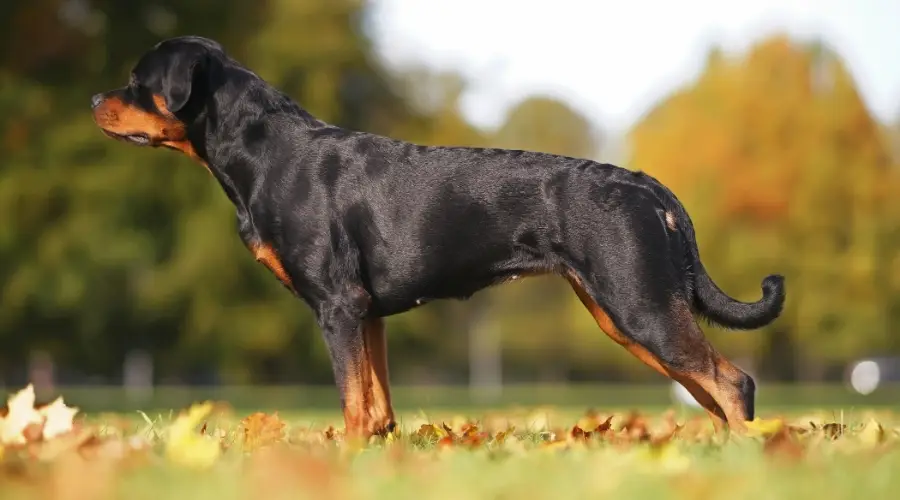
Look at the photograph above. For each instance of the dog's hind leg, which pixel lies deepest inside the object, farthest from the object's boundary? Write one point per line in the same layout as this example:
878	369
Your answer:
666	338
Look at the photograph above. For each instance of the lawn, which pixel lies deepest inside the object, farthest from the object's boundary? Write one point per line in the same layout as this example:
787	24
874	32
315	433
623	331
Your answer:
213	451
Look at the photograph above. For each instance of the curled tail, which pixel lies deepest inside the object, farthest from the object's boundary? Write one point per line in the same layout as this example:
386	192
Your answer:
714	304
717	306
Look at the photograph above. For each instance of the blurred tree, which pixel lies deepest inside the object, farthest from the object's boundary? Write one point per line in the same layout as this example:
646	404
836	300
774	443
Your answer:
105	248
783	170
81	231
545	328
548	125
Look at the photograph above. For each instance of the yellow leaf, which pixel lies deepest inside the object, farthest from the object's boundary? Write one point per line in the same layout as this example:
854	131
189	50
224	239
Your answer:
57	418
187	448
392	436
760	427
432	431
21	415
872	434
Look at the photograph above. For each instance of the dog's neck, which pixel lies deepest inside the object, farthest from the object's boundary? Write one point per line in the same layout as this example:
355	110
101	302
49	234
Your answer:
216	132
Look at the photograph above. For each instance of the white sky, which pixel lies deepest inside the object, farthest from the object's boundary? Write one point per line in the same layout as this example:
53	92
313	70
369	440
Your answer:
613	59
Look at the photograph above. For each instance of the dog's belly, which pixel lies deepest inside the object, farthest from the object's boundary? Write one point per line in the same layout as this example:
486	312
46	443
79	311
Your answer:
404	287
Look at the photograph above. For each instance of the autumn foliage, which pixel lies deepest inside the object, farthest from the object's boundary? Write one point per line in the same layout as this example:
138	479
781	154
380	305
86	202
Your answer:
783	169
48	452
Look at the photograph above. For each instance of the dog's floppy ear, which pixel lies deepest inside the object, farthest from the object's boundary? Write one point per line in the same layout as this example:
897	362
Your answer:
181	78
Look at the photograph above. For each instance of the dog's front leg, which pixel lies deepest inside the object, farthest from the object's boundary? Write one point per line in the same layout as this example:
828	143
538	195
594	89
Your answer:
355	343
380	410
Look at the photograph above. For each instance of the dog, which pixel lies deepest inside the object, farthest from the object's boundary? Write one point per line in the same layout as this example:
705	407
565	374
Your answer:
361	227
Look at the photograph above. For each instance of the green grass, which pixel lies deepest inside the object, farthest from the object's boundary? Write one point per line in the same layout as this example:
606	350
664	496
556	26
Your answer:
411	398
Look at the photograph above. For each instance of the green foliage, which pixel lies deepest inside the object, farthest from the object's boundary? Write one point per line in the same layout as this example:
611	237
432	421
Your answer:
106	248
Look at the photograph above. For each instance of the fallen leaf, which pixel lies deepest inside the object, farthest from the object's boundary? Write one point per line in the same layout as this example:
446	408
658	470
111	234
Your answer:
21	414
577	433
872	434
58	418
665	437
834	430
431	431
760	427
635	427
187	448
261	430
501	436
604	426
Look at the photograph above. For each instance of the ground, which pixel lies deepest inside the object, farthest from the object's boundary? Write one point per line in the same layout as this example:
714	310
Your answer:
213	451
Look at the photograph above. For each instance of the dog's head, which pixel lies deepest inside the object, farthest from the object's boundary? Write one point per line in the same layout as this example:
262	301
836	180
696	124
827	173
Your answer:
167	89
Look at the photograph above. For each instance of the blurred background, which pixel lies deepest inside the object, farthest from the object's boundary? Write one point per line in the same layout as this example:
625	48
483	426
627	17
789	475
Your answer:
123	283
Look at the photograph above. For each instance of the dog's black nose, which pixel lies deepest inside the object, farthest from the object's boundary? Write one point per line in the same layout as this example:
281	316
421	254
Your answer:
96	100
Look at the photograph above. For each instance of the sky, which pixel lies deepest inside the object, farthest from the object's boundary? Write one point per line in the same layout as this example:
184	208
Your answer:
641	50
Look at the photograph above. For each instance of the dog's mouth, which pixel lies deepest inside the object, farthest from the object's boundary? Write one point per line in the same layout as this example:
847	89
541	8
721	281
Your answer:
138	139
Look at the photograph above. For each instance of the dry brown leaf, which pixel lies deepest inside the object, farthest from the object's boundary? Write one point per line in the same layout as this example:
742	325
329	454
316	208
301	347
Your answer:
665	437
834	430
431	431
261	430
578	434
501	436
635	427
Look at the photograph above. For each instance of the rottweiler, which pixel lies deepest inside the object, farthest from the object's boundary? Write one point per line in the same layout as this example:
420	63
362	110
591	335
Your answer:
361	226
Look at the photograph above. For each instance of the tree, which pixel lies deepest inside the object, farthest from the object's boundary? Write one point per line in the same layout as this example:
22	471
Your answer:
105	248
547	125
783	170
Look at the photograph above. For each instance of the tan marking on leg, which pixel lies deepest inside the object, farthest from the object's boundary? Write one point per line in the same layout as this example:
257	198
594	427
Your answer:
606	324
716	415
723	386
380	410
356	389
719	378
265	254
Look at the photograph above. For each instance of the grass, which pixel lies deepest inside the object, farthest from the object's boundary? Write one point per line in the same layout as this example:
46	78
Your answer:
295	456
410	398
515	452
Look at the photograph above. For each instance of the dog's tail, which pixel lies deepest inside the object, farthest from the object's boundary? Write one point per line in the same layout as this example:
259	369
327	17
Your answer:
715	305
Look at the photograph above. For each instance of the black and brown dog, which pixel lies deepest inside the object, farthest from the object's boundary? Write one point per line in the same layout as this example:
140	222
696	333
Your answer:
361	227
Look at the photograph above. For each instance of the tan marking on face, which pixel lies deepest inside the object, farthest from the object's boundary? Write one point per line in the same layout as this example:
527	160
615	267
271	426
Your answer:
115	116
164	129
